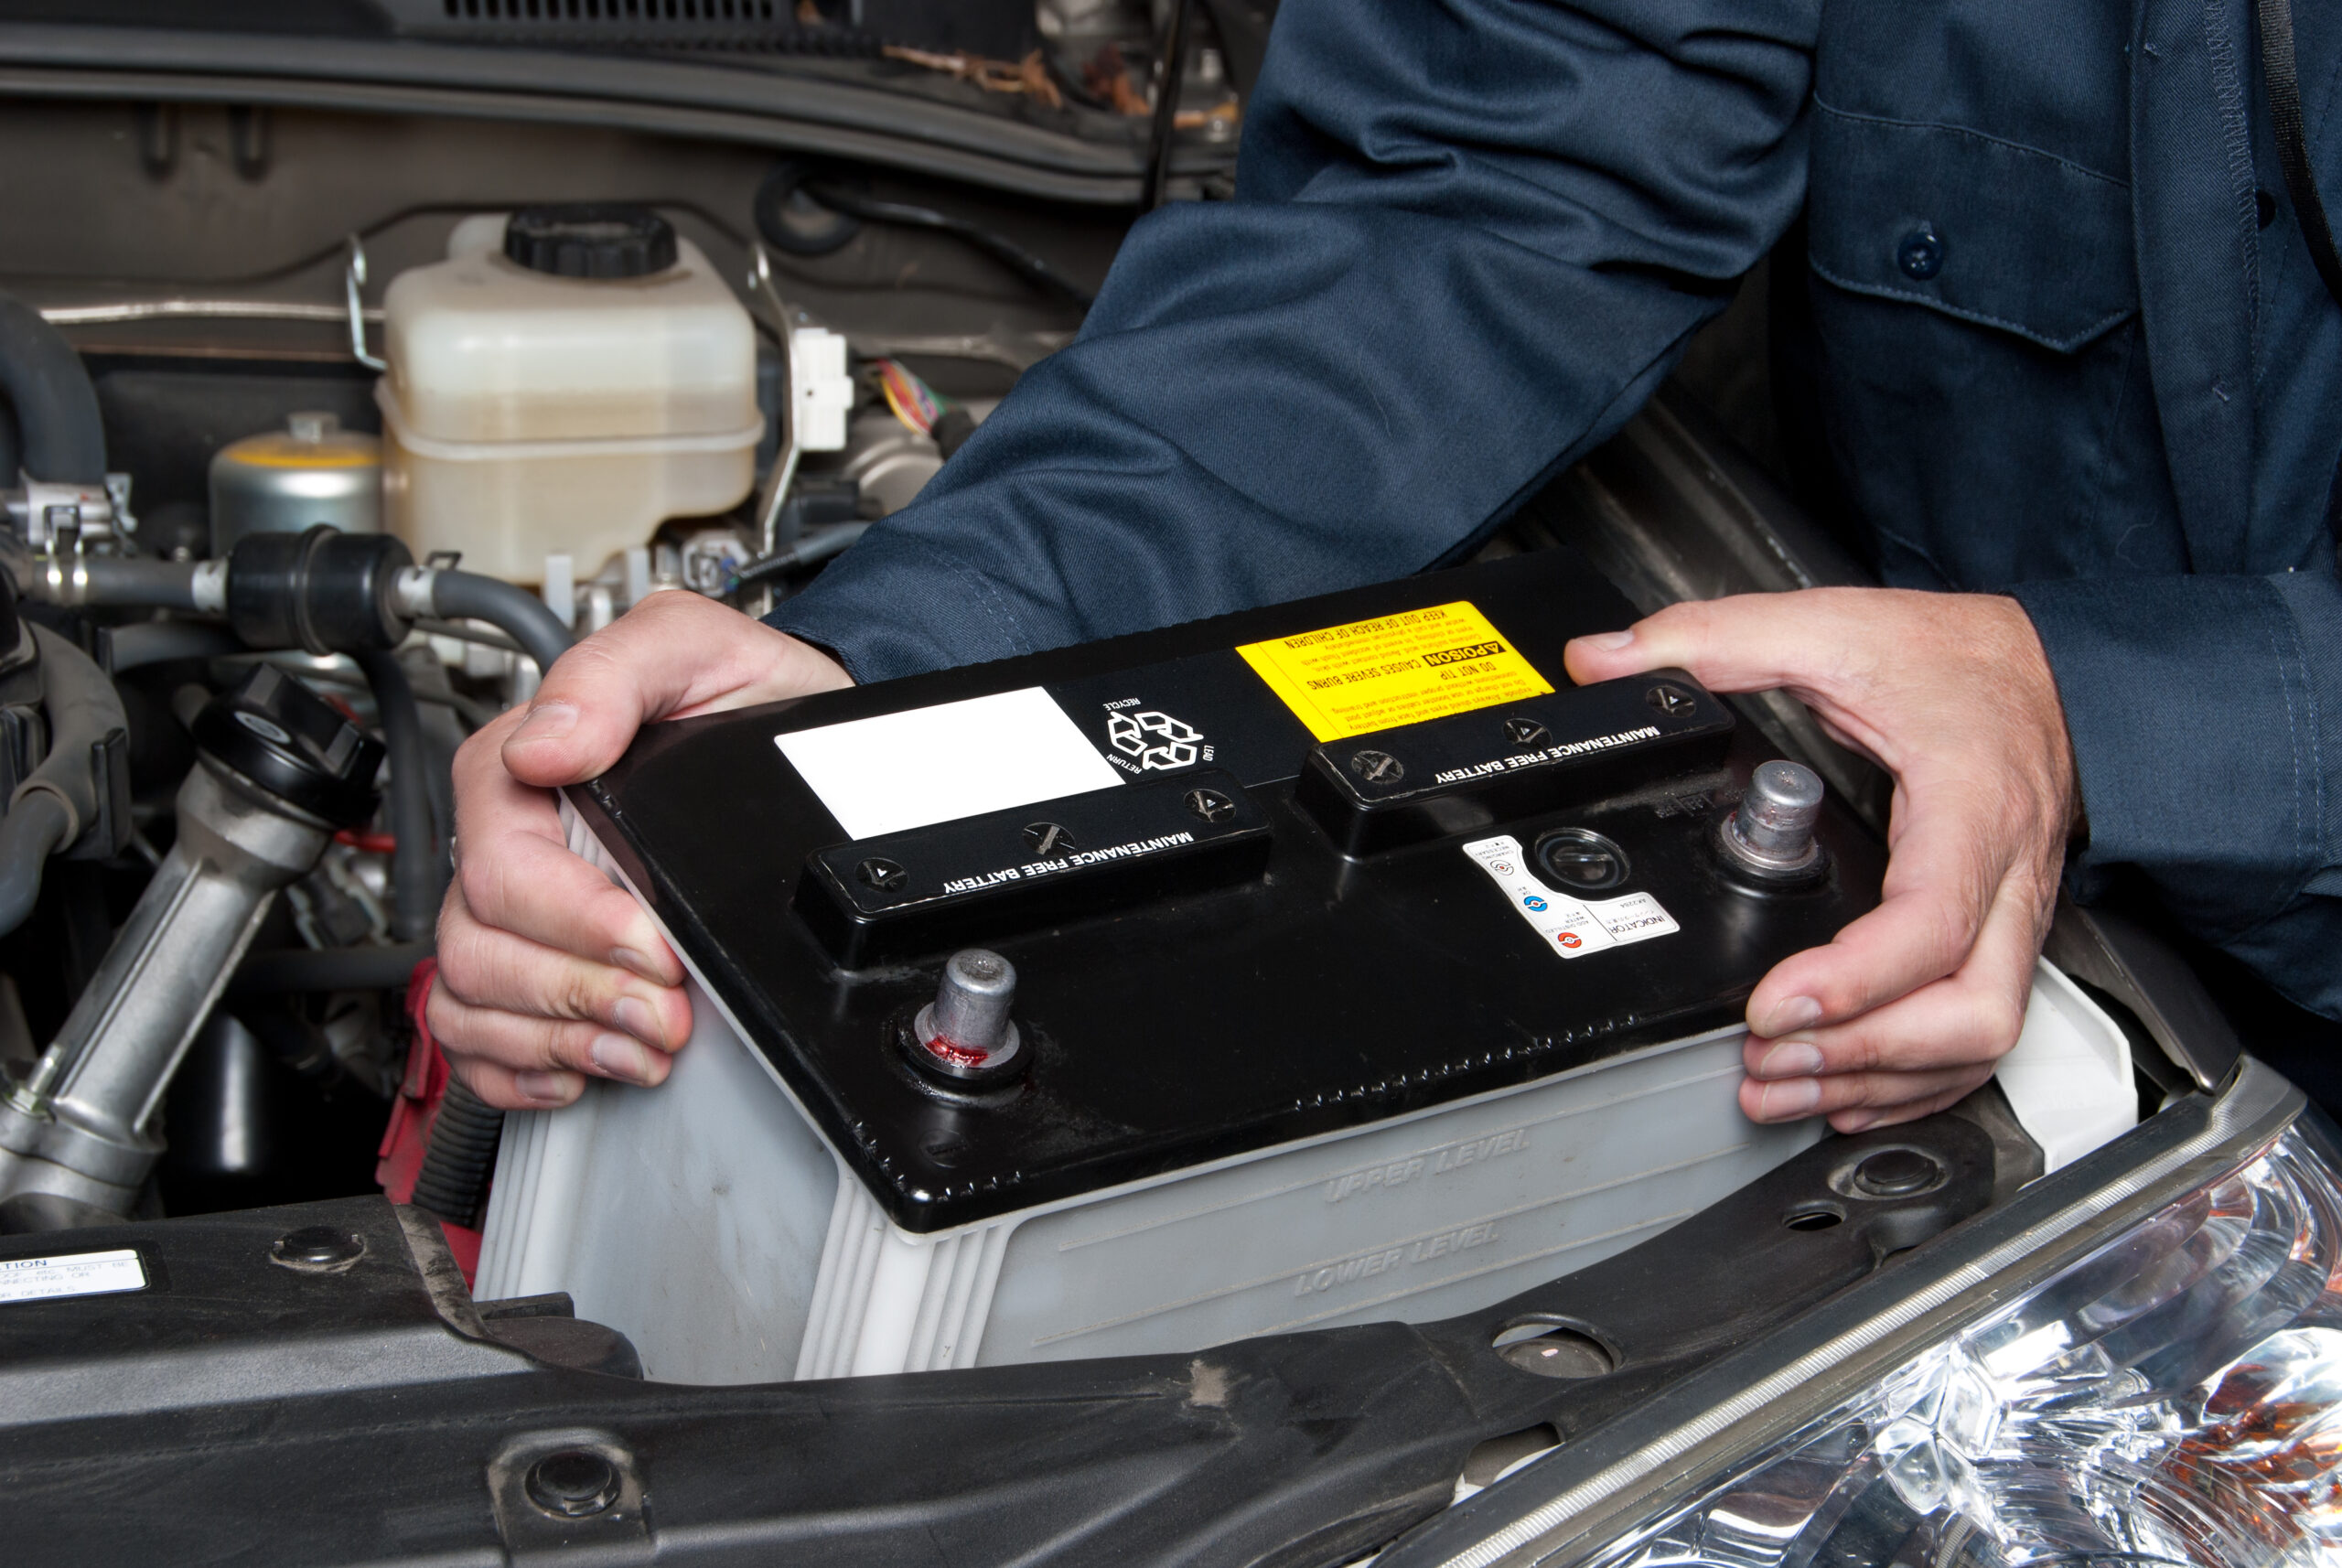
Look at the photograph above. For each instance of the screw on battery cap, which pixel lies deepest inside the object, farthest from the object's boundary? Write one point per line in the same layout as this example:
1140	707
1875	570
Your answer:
1771	833
1210	805
966	1033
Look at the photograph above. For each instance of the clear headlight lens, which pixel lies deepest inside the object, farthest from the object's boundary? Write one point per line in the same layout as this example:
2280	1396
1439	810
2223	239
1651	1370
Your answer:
2173	1398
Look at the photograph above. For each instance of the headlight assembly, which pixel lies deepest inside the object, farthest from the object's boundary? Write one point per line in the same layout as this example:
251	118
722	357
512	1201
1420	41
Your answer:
2138	1361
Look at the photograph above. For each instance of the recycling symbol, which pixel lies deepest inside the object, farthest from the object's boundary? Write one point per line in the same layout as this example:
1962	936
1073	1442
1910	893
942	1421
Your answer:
1157	740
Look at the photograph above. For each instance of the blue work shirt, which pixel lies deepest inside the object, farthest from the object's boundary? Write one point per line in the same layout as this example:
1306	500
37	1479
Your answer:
2053	353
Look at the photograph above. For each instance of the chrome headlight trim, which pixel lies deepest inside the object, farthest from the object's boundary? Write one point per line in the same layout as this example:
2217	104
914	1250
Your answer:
1573	1503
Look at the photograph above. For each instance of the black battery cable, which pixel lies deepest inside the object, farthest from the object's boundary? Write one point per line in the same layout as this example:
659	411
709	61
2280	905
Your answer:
781	219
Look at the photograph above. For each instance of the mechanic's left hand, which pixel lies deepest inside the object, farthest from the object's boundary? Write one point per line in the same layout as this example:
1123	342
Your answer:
1911	1005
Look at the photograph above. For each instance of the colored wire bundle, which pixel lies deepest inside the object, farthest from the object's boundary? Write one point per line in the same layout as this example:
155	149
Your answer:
913	400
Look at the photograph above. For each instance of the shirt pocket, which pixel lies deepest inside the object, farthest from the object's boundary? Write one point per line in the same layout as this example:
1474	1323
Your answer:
1981	229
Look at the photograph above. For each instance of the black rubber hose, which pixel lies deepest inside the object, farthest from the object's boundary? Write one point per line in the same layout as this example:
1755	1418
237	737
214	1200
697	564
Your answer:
415	890
60	799
516	612
82	709
62	438
460	1157
34	829
281	970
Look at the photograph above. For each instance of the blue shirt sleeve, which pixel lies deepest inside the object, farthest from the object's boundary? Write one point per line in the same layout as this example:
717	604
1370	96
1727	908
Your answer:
1469	238
2206	719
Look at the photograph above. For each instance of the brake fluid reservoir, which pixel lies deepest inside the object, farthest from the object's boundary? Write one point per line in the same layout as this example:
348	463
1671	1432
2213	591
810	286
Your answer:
566	391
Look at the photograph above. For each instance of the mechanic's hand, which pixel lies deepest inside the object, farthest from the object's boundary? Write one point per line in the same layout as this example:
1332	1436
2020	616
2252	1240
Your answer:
1910	1006
548	971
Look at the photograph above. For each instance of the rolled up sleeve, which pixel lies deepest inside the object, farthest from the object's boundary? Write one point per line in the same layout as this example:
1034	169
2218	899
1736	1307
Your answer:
1469	238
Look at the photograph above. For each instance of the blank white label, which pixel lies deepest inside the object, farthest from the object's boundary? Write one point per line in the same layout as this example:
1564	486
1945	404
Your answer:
894	771
76	1274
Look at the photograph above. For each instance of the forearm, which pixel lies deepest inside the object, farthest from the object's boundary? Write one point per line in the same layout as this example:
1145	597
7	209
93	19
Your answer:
2206	720
1470	239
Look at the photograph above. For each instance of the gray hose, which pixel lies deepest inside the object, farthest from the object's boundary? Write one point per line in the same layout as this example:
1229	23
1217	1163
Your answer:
137	583
516	612
60	799
414	864
34	830
63	440
127	582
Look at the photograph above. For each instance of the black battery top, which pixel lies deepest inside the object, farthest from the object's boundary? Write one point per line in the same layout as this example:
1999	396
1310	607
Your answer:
1261	878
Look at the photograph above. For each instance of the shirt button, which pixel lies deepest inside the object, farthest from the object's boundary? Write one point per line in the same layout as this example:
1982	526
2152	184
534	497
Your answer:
1920	252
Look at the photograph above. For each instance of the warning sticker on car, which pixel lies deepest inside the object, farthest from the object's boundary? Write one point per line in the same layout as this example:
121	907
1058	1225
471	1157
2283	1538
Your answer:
1395	669
71	1273
1570	926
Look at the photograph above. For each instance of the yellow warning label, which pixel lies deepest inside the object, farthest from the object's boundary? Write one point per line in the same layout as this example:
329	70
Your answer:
1394	669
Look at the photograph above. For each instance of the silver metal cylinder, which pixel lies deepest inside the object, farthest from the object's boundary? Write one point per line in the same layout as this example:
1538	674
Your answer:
966	1029
1772	829
77	1128
285	481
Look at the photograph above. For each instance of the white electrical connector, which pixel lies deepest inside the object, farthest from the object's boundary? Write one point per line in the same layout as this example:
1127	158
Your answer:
824	388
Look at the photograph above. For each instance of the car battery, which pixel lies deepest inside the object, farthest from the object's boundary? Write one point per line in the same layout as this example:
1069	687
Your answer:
1362	968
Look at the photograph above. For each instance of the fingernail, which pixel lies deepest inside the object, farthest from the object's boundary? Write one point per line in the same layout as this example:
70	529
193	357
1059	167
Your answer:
636	959
1609	641
1790	1058
621	1057
549	721
1788	1100
1796	1013
545	1087
1853	1121
635	1016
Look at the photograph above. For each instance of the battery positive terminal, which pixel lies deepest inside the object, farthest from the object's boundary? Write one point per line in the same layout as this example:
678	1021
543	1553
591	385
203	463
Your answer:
1769	836
965	1035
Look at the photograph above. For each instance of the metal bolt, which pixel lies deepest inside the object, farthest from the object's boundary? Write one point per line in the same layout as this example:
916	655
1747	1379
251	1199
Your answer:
1376	767
1772	830
1210	805
1672	700
1526	732
576	1483
1047	838
1896	1173
966	1030
883	874
316	1250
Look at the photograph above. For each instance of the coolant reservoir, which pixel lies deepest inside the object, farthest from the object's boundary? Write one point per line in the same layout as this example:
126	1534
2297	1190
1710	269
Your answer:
563	392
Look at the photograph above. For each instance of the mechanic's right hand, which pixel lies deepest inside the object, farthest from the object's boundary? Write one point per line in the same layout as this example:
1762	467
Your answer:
548	971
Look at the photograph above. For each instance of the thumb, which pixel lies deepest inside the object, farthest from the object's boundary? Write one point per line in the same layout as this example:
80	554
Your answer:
670	653
581	719
673	653
1748	642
